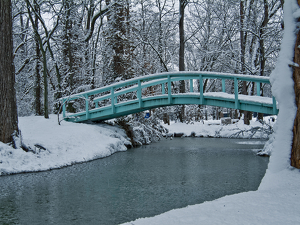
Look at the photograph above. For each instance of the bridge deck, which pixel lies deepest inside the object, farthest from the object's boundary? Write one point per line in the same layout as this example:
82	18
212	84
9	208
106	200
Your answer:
136	86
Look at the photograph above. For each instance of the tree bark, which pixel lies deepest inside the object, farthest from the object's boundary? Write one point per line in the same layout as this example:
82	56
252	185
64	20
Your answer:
182	5
243	50
295	154
8	105
37	88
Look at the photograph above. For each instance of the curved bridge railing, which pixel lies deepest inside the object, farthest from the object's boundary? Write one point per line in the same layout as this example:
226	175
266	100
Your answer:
102	103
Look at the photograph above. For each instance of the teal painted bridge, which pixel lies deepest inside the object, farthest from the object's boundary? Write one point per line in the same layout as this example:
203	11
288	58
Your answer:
102	103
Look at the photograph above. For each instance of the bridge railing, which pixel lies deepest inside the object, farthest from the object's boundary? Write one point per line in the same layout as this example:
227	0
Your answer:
110	93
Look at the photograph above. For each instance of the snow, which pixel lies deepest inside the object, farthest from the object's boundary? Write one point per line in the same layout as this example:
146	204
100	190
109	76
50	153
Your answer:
213	128
283	91
258	99
65	144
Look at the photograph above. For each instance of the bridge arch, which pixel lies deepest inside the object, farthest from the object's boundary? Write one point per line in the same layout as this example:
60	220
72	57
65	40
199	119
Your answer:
166	97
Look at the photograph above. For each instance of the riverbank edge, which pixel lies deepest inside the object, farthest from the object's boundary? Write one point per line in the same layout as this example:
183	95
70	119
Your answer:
52	146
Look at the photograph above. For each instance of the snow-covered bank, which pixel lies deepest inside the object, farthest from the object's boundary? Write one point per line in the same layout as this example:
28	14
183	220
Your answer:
54	146
213	128
274	205
71	143
64	145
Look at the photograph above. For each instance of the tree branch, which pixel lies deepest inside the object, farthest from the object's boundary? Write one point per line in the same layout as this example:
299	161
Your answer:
101	13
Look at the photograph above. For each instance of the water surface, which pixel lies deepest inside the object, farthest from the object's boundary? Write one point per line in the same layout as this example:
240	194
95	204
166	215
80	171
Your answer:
140	182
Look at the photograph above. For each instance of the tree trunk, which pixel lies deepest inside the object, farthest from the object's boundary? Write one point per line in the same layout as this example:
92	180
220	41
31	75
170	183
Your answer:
182	4
8	105
295	154
38	88
43	51
243	50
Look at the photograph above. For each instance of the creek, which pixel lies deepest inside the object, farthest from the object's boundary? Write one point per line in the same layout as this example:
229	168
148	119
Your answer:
141	182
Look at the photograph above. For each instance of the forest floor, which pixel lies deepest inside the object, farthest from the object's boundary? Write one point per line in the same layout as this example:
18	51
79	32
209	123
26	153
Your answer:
277	200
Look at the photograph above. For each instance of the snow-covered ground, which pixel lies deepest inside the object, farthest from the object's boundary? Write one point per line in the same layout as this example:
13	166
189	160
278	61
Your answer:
64	144
214	128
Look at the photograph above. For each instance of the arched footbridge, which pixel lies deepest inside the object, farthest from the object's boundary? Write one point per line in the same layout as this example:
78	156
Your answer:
102	103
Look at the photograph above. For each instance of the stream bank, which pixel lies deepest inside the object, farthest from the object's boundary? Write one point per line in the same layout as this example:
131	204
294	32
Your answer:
71	143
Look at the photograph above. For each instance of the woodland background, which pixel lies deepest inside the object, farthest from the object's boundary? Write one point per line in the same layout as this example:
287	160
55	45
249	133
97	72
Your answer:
65	47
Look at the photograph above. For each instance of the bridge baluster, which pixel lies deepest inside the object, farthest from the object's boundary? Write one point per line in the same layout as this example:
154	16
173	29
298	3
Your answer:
139	93
201	88
258	88
223	85
112	90
163	89
86	106
169	90
191	85
236	93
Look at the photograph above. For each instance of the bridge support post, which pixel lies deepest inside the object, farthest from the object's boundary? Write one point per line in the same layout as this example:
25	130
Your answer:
139	94
201	88
112	93
236	93
86	107
169	90
258	88
223	85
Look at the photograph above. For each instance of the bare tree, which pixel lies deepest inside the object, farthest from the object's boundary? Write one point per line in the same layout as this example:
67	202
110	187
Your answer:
8	106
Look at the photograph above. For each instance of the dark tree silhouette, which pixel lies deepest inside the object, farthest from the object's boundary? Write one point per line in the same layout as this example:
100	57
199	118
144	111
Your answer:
8	106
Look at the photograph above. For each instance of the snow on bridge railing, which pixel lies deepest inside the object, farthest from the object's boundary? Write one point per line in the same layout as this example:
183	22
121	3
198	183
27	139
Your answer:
111	92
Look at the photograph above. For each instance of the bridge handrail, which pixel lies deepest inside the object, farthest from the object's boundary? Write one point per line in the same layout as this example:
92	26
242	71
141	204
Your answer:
138	83
194	75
